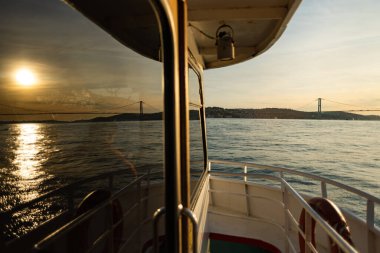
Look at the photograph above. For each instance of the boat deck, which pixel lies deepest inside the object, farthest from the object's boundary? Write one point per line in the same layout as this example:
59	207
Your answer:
220	243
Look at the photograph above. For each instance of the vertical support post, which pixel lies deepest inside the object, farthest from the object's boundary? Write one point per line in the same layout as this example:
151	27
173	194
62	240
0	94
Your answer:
183	72
285	200
203	120
209	171
319	105
171	113
323	189
245	173
109	211
147	194
246	191
308	232
370	226
141	217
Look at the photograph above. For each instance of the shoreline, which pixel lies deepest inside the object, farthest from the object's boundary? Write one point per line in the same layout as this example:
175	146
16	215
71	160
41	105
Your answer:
218	112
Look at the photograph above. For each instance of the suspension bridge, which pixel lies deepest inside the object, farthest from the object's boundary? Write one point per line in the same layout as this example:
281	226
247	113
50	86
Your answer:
336	106
139	107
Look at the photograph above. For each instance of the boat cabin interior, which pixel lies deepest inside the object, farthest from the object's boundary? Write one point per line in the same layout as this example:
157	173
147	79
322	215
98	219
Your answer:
193	204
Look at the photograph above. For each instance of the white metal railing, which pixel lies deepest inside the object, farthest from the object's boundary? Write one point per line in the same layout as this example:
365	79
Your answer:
65	197
287	189
140	186
107	234
309	211
70	191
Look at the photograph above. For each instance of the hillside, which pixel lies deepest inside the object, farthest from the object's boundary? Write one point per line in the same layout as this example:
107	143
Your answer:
278	113
217	112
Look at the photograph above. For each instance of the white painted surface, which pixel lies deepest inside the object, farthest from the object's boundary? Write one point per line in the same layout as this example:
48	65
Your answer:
227	215
201	210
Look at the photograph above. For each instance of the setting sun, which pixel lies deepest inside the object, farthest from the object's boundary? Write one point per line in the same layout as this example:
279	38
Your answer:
25	77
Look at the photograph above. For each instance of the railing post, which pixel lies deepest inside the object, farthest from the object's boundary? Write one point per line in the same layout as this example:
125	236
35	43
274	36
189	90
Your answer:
147	193
370	226
308	232
110	226
323	189
209	171
140	211
285	200
245	173
246	191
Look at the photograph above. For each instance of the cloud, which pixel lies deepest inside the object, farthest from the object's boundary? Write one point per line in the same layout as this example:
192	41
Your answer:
78	65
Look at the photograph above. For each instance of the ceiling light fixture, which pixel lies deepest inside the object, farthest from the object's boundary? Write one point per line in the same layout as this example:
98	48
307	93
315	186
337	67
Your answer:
225	43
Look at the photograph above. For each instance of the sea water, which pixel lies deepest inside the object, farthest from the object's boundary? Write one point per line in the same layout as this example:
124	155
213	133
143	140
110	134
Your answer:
36	158
345	151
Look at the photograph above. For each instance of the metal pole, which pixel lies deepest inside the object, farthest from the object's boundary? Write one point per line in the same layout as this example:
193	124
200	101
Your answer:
370	226
172	160
184	120
323	189
285	200
203	121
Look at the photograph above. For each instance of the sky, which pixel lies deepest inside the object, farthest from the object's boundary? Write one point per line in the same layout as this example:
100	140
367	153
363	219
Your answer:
330	49
77	66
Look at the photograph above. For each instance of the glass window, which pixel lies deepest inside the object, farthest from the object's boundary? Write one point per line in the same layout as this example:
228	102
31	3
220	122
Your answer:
79	107
196	140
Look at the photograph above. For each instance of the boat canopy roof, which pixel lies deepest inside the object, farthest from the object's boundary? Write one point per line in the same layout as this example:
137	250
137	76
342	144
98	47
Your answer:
256	25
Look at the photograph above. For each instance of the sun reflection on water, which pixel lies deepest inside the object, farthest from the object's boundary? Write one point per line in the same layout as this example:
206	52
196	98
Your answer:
28	161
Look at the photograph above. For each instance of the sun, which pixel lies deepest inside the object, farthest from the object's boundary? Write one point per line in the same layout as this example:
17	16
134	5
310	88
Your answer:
25	77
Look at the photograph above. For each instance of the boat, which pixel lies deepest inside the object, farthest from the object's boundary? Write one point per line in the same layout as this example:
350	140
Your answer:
224	206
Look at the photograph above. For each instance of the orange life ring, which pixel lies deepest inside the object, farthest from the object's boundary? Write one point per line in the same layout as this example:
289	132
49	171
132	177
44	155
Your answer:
330	213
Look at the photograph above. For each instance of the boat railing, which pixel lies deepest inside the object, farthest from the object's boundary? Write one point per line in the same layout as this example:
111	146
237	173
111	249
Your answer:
106	238
69	191
287	189
68	197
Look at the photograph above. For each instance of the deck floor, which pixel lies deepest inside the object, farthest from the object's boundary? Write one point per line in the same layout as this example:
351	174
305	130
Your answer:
231	244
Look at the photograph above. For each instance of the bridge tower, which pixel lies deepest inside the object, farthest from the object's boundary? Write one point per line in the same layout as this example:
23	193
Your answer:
319	105
141	109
